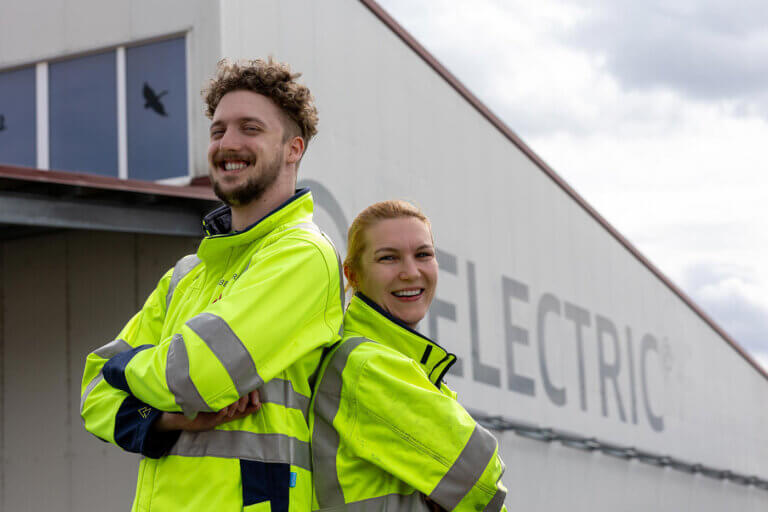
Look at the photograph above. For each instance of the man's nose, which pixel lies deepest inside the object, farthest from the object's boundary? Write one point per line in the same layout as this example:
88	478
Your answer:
229	140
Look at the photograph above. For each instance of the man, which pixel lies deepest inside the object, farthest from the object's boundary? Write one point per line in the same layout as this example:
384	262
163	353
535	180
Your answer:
239	326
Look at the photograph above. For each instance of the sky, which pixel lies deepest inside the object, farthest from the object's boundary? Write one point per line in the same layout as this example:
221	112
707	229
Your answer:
656	112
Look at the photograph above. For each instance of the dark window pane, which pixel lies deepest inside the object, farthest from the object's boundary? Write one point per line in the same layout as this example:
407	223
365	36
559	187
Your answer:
156	89
83	114
17	117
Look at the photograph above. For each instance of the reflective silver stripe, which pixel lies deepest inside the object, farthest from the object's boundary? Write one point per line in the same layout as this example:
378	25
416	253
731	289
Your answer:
341	280
466	470
280	391
179	381
224	343
183	267
496	502
112	348
325	439
237	444
389	503
311	226
107	351
88	390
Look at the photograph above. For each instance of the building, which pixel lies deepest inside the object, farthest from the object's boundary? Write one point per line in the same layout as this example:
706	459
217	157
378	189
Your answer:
609	388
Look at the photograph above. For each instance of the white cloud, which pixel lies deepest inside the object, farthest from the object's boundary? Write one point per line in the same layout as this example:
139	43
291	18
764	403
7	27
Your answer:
671	157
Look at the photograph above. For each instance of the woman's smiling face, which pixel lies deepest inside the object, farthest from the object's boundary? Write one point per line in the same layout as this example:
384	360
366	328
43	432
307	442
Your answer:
398	269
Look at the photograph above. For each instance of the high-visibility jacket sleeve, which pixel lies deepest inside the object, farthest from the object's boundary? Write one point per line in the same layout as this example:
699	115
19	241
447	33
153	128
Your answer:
284	306
112	414
406	426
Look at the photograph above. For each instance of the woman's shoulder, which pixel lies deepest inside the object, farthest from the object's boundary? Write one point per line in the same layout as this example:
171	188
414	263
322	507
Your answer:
369	364
363	349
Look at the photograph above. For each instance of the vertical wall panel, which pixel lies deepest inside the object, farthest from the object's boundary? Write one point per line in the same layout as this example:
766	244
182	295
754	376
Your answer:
101	298
36	399
61	296
2	376
83	114
155	254
17	117
156	93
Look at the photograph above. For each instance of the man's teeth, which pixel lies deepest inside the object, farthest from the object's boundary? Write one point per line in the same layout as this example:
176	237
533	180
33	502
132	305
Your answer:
234	166
407	293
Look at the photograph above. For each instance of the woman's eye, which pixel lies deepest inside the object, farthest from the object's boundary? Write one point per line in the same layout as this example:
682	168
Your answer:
388	257
424	255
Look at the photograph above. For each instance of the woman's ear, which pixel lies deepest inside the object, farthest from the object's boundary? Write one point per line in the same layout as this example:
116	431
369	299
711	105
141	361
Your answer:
351	277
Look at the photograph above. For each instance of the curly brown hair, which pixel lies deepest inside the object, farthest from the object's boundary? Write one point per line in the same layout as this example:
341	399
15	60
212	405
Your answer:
273	80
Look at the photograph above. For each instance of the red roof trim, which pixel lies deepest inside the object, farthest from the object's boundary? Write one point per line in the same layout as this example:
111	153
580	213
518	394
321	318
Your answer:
104	182
430	59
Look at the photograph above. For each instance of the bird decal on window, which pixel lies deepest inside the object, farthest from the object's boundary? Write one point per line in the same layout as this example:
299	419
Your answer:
152	100
2	122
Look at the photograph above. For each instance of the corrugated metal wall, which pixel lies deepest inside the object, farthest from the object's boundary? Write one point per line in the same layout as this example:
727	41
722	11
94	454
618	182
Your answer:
62	295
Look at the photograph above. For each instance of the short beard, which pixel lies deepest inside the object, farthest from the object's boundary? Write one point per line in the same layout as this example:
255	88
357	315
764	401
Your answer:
255	187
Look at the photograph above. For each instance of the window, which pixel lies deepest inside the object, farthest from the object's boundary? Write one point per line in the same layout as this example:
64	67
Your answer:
83	114
156	96
121	113
17	117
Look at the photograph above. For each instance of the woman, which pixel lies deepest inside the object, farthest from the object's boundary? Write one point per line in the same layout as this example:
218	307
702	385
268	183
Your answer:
387	433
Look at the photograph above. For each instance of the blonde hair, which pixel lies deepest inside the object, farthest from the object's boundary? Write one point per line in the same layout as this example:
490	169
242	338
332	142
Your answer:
383	210
273	80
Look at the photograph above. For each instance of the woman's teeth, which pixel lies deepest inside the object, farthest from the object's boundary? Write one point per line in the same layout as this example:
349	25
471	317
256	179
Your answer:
407	293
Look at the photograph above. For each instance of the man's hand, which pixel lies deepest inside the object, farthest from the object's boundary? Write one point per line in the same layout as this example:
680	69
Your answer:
247	405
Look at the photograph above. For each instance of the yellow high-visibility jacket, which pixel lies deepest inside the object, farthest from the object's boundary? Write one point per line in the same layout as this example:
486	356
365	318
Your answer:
251	310
386	431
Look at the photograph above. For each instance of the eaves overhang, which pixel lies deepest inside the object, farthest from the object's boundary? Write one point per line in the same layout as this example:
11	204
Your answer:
33	201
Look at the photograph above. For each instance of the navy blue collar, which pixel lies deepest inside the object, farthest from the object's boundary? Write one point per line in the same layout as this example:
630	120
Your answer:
449	359
219	221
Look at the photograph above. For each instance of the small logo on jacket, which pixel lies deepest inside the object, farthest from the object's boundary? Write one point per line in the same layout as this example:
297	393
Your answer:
144	412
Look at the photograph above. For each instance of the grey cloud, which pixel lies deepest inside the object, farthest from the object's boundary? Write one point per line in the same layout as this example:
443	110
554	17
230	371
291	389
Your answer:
711	50
744	319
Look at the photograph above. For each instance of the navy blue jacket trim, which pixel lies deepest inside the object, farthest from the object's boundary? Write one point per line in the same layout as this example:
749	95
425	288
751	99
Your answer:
219	221
114	369
400	323
134	432
266	481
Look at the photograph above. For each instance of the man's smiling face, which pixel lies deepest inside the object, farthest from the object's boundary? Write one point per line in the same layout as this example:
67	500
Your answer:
246	152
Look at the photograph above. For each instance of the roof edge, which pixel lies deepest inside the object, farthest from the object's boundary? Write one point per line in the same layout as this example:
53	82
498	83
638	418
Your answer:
77	179
473	100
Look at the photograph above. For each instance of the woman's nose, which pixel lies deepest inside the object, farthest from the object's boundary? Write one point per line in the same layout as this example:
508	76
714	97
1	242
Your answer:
409	270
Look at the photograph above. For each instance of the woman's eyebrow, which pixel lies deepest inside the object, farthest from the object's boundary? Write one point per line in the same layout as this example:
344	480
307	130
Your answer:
385	249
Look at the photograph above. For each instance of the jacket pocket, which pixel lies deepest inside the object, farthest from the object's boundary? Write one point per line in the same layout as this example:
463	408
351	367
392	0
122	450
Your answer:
265	486
264	506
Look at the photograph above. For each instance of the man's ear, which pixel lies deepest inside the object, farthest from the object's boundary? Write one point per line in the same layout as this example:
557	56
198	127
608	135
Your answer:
295	150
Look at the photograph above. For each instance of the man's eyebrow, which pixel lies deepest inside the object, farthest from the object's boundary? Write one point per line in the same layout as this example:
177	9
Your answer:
241	120
251	120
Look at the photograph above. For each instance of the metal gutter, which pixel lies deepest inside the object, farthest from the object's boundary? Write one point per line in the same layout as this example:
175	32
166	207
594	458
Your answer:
32	201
